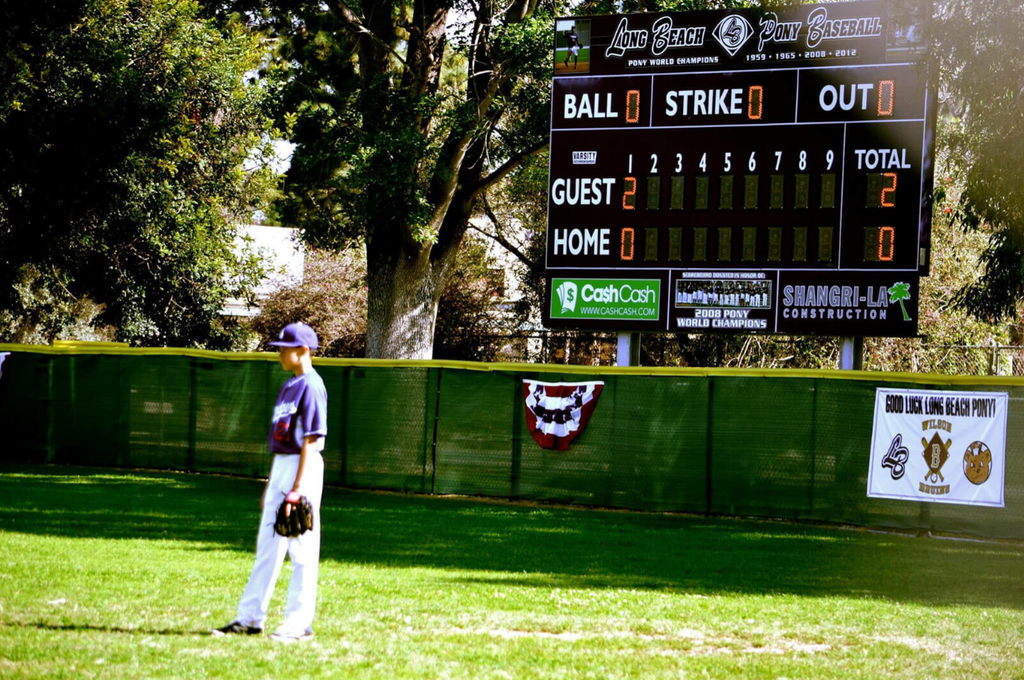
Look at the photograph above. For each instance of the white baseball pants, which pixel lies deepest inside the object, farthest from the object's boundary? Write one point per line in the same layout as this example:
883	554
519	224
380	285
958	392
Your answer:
304	551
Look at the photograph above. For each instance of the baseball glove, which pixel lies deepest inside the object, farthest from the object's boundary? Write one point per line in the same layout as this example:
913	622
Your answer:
294	519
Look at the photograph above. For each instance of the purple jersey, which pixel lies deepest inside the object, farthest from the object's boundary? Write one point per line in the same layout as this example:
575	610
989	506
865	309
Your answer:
300	411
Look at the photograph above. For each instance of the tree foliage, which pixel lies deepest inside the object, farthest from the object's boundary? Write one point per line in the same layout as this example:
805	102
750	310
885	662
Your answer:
331	298
125	125
978	49
473	323
400	130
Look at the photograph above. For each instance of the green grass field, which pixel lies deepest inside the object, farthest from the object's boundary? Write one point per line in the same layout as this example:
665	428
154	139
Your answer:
582	59
109	574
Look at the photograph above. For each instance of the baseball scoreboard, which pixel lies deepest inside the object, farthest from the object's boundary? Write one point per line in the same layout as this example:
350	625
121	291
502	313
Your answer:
740	171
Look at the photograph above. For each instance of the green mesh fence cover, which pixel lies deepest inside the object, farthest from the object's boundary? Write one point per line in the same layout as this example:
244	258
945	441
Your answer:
26	388
233	403
388	426
763	447
645	447
781	445
475	439
161	413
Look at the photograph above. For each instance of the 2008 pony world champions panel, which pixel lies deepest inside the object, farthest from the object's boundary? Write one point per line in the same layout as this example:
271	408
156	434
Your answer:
740	171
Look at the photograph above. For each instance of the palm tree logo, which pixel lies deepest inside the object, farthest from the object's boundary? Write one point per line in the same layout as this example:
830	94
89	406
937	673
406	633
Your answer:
899	293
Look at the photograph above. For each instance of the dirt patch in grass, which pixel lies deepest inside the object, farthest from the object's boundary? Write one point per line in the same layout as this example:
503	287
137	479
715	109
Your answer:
702	645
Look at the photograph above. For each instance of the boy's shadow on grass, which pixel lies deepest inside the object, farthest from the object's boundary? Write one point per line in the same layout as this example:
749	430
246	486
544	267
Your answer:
84	627
503	544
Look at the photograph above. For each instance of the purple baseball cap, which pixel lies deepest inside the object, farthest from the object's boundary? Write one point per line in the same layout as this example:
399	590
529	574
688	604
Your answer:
296	335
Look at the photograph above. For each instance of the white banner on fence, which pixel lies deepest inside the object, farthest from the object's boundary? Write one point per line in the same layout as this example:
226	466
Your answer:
3	355
942	447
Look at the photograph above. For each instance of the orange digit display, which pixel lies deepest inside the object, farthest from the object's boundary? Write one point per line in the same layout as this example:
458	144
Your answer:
889	201
881	189
755	102
626	251
886	97
633	106
629	193
886	243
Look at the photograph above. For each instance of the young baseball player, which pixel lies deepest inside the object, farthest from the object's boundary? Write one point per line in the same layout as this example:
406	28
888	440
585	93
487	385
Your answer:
296	439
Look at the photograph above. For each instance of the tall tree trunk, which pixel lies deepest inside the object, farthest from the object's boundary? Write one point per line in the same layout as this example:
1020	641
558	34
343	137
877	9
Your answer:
404	284
405	277
401	304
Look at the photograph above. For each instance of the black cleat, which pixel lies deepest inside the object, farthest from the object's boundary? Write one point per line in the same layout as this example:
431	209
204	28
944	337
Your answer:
237	628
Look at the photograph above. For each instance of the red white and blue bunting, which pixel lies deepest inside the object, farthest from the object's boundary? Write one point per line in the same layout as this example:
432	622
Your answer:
556	413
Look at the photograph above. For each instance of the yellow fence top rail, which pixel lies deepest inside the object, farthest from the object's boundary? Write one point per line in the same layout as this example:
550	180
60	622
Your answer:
121	349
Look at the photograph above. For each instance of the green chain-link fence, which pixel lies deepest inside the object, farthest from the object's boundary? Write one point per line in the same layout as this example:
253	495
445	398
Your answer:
666	349
784	444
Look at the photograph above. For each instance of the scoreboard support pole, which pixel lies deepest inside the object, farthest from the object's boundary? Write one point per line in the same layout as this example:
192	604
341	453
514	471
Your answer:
628	353
851	357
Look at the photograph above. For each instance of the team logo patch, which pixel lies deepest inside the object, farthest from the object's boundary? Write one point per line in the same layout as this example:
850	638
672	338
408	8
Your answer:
936	453
556	413
977	463
732	33
896	458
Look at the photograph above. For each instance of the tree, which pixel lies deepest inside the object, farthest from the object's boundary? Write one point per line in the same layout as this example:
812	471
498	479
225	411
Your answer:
399	133
982	88
516	211
125	125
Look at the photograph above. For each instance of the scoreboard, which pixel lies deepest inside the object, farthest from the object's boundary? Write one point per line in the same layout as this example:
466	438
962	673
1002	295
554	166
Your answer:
740	171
